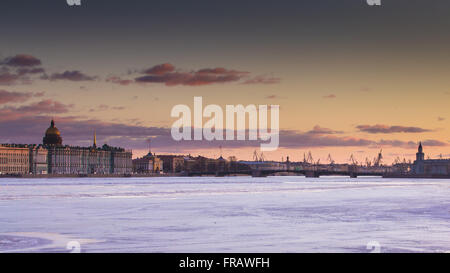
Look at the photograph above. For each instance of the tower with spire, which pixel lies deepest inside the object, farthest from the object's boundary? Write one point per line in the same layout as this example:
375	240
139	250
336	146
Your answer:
95	140
420	156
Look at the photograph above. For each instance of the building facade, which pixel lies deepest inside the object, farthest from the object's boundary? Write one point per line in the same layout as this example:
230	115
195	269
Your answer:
14	159
52	157
172	163
422	166
38	159
84	160
149	163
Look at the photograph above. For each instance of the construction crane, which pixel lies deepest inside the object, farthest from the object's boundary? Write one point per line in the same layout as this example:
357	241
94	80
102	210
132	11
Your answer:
310	159
353	160
255	156
330	160
258	157
368	162
377	161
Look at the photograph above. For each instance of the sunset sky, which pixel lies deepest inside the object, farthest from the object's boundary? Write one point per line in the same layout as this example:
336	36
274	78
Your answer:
349	78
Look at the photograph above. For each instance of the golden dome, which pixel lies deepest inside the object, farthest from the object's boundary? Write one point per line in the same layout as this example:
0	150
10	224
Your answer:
52	135
52	130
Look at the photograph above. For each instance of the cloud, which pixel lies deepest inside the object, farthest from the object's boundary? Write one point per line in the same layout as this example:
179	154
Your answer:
104	107
262	79
165	74
18	69
385	129
29	127
317	130
434	143
13	97
42	107
293	139
169	75
7	78
74	75
22	60
440	119
160	69
77	131
24	71
331	96
118	80
45	106
410	144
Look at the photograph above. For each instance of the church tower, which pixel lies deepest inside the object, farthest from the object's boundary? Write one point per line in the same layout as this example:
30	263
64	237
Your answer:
420	156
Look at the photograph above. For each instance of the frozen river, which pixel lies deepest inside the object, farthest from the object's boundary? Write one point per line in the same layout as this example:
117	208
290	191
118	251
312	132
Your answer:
231	214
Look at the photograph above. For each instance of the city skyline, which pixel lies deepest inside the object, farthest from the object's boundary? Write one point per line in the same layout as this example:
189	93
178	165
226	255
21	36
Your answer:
343	88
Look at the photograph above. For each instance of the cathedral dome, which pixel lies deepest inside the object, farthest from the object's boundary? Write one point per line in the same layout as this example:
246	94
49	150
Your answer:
52	135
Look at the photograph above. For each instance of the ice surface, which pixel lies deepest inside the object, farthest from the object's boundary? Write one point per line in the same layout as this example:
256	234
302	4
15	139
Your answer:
224	214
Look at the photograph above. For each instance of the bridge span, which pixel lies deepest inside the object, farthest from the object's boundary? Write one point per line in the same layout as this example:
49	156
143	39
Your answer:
306	173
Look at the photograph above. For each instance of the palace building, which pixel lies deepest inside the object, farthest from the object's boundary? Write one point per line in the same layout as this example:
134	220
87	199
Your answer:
14	159
52	157
84	160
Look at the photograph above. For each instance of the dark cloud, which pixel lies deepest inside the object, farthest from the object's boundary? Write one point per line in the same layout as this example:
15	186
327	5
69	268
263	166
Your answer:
22	60
74	75
323	131
8	97
169	75
162	74
385	129
410	144
440	119
118	80
262	80
48	106
434	143
7	78
104	107
78	131
45	106
24	71
17	69
160	69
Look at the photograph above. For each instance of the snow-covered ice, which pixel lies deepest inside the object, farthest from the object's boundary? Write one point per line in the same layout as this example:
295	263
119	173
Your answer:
224	214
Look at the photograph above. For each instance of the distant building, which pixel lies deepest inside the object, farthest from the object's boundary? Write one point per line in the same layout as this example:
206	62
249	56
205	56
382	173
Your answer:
14	159
422	166
38	159
53	158
149	163
84	160
172	163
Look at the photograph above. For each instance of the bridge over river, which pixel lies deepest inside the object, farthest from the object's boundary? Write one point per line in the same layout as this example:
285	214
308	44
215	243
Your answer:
255	172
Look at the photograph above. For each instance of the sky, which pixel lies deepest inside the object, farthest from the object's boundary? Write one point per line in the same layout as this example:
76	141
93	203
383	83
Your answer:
349	78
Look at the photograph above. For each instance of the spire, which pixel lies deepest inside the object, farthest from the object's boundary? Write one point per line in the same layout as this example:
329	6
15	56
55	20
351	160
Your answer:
52	124
95	139
420	156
